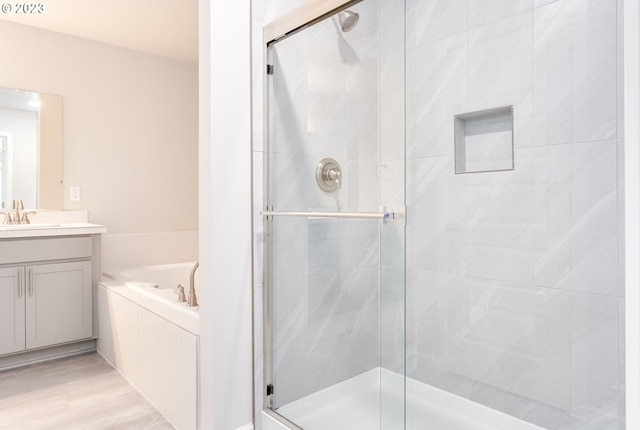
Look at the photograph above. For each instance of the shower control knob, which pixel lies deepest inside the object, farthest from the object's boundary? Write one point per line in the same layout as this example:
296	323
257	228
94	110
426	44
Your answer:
332	175
329	175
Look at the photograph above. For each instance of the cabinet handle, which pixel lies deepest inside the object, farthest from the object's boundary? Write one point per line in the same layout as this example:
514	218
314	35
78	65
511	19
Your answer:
20	283
31	282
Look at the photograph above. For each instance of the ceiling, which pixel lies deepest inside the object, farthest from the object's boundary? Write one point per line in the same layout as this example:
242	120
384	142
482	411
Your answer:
168	28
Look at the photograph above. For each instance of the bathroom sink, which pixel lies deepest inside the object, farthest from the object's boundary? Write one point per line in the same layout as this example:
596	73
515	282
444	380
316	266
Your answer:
35	226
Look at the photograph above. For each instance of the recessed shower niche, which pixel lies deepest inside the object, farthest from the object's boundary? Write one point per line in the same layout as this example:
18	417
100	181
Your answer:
484	140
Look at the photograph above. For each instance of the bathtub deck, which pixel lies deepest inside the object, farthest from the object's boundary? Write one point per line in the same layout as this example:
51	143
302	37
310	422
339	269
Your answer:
177	314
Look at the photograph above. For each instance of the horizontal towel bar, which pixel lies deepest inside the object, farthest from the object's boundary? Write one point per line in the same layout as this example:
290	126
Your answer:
354	215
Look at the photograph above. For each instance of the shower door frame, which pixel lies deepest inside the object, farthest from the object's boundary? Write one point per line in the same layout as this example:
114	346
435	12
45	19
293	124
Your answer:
287	25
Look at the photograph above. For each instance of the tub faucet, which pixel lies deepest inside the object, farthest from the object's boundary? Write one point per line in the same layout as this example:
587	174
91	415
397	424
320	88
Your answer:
192	300
181	297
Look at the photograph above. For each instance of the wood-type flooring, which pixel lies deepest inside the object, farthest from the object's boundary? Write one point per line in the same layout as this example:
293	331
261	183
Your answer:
74	393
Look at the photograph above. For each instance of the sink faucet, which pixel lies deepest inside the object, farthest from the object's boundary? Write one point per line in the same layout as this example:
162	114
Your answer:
192	300
15	216
17	206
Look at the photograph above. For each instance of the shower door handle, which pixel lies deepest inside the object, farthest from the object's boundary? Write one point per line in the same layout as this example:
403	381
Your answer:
384	216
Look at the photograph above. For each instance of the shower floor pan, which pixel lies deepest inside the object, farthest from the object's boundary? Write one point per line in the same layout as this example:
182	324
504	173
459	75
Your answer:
356	403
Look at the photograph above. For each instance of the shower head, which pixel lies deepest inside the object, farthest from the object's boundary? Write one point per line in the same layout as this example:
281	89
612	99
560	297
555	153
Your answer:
348	20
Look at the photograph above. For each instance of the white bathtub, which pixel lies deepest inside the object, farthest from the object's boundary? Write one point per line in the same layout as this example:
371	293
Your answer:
158	283
144	332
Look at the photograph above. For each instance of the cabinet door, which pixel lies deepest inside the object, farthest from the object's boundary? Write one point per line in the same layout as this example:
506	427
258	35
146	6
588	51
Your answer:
59	303
12	296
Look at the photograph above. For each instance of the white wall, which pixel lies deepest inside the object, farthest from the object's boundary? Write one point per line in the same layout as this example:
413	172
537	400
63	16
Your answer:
130	134
632	210
225	216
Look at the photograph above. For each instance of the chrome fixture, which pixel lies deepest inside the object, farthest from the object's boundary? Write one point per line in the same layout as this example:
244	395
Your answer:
328	175
17	206
348	20
387	215
192	300
353	215
181	297
17	214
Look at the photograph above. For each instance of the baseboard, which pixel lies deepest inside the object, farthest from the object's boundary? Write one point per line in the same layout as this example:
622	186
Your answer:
246	427
46	354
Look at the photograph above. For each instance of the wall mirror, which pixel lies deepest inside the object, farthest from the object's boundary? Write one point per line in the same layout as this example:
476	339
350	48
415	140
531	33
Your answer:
30	149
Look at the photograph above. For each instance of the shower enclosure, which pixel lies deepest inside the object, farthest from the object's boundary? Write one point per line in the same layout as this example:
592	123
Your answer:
443	209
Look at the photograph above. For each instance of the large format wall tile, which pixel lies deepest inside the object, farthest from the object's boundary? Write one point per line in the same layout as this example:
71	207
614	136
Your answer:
490	330
594	359
289	316
437	227
325	101
290	248
359	244
392	39
553	220
577	217
342	309
392	110
325	304
577	360
575	74
500	60
428	21
427	311
594	216
500	65
392	318
538	3
427	217
324	243
518	273
436	77
501	222
546	355
482	12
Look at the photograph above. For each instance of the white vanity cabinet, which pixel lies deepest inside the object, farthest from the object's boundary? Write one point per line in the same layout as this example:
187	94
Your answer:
12	322
46	292
58	303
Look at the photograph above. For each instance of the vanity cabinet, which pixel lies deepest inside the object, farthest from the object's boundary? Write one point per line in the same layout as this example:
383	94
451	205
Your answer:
12	323
46	299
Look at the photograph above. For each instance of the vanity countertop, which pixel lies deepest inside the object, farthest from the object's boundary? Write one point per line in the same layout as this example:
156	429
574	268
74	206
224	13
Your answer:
49	230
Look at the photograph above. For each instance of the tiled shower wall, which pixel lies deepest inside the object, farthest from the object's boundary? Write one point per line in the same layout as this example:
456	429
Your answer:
514	279
324	103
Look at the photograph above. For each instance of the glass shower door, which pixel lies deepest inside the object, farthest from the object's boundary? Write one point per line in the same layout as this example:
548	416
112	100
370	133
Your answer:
334	217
